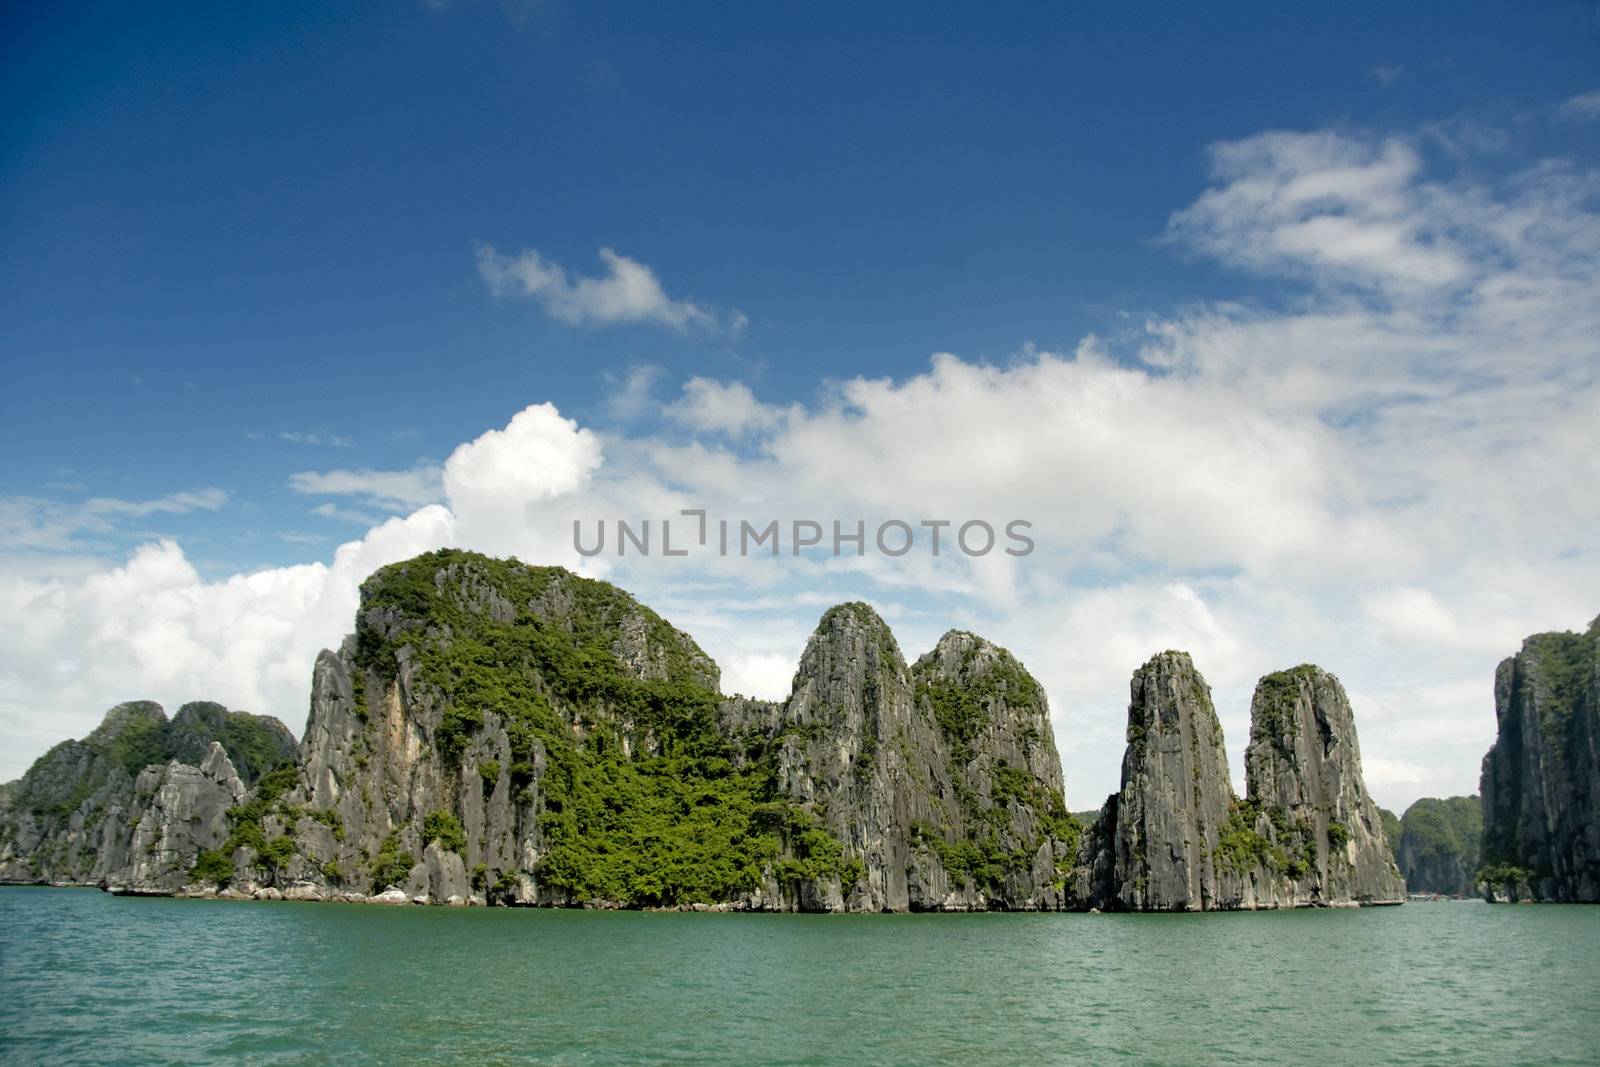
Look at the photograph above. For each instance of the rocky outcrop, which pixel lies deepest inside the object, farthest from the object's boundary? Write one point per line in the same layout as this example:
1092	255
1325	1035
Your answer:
1176	838
494	732
185	812
67	819
125	805
255	743
1162	828
941	780
1439	845
485	733
520	735
1303	773
1541	780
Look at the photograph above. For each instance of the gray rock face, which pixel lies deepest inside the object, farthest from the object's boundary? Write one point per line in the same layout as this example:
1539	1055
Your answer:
1163	831
942	779
185	812
1541	780
379	754
1303	771
1175	838
125	805
519	735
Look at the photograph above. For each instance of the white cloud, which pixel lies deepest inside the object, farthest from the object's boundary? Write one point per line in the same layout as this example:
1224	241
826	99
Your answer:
1324	205
722	407
764	675
354	516
153	627
1387	74
632	394
171	504
316	437
628	292
499	484
1585	107
31	523
420	485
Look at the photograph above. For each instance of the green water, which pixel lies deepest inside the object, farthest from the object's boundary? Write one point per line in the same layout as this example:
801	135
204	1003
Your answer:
89	977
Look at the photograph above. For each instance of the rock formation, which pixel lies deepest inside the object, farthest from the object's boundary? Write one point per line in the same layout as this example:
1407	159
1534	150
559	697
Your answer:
1303	773
185	813
495	732
1438	845
1162	827
941	779
1541	780
122	807
1175	838
501	733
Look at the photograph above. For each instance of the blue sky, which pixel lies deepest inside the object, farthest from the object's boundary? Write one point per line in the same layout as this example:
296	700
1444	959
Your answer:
221	224
242	246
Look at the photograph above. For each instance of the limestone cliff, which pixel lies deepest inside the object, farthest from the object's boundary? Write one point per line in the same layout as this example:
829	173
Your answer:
1162	828
122	807
941	779
494	732
503	733
185	812
1176	838
1439	845
1303	774
1541	780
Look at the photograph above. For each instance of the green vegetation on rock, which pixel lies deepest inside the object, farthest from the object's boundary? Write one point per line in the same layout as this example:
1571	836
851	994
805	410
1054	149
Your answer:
641	799
1439	844
1277	695
445	828
391	864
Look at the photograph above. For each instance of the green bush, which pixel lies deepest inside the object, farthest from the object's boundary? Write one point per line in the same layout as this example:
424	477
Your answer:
212	865
392	864
445	828
277	852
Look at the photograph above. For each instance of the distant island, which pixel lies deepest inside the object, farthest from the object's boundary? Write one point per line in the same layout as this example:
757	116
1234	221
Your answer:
1437	845
500	733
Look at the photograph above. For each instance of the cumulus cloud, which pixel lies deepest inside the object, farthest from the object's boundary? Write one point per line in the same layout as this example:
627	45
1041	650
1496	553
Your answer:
497	483
628	292
722	407
154	627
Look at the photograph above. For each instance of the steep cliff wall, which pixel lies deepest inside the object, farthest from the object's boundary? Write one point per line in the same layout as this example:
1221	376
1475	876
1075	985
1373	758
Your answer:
503	733
1176	838
941	779
1303	773
1541	780
495	732
123	807
1163	832
1439	843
